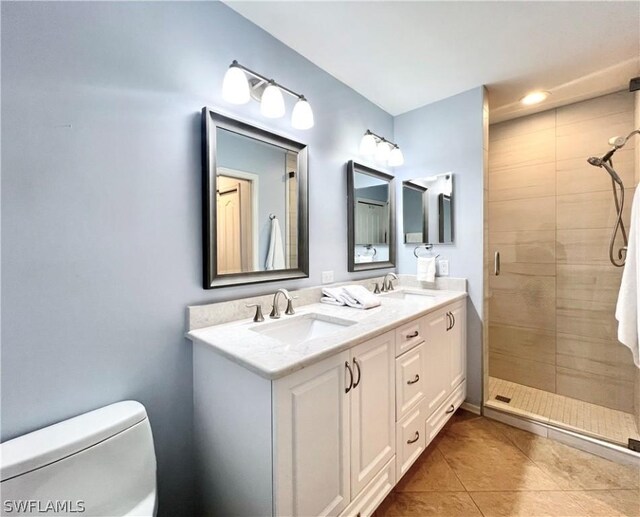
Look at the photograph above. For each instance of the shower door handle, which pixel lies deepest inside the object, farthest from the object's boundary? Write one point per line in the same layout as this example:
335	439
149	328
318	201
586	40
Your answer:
496	263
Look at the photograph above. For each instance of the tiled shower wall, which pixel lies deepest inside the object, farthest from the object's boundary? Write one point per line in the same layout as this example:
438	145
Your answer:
551	310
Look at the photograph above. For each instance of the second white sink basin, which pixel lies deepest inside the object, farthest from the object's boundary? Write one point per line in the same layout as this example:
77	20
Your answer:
410	295
298	329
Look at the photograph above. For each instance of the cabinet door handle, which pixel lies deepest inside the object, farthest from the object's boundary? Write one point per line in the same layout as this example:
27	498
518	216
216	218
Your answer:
415	379
414	334
451	409
448	321
357	365
348	389
415	438
453	324
496	263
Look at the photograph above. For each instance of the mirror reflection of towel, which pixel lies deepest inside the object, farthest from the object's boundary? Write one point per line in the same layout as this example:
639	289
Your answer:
275	255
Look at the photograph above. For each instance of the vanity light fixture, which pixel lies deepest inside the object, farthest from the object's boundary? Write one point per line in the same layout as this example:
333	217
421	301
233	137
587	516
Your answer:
381	149
241	84
534	98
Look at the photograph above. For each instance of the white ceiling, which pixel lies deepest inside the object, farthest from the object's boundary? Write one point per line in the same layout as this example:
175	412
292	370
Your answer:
403	55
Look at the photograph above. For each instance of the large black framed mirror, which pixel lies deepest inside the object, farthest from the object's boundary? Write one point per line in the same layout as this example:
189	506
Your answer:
255	204
371	218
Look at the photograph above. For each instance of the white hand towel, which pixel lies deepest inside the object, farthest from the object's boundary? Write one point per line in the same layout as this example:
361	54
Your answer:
363	298
629	295
426	269
275	255
364	258
331	301
333	296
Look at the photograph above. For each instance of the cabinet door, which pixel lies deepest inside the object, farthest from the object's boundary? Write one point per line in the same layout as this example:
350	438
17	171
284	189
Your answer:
458	344
311	439
372	409
436	360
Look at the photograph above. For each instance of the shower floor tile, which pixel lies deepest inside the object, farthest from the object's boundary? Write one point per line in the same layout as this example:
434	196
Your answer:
575	415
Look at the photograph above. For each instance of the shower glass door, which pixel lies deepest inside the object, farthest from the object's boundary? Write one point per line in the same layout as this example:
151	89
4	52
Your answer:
553	352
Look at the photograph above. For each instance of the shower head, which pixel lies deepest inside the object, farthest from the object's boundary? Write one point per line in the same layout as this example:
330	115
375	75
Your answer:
603	162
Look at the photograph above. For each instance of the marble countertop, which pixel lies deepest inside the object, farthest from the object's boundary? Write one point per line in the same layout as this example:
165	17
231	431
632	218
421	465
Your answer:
271	358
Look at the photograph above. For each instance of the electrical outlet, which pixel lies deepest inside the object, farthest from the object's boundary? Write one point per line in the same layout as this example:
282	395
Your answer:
443	267
327	277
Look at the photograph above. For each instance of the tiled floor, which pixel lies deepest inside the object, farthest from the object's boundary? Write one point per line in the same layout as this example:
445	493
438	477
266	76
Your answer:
597	421
479	467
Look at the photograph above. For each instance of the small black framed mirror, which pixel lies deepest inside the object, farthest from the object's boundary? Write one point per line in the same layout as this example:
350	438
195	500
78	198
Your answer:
255	204
371	218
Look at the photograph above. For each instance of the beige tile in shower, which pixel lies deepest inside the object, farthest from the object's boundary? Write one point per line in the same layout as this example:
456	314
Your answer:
523	298
590	137
522	126
586	318
530	373
575	175
523	214
590	210
592	355
523	182
522	150
533	246
588	282
583	246
611	392
526	343
620	102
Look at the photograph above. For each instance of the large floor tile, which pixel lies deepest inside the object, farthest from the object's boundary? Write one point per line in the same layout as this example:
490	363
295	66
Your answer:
424	504
571	468
527	504
431	473
483	459
601	503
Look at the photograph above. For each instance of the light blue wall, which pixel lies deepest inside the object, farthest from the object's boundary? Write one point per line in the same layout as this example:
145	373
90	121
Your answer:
447	136
101	223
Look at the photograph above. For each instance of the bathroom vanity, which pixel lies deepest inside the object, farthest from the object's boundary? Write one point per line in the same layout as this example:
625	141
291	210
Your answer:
322	412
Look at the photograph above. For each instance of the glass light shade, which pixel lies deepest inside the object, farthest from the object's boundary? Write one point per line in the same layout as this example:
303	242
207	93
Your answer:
383	150
302	116
235	87
272	104
368	145
395	157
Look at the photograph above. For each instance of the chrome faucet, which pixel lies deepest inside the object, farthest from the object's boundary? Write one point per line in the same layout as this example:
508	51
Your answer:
275	310
387	285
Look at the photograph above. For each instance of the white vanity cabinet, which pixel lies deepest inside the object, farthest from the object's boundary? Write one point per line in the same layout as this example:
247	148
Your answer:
334	437
334	428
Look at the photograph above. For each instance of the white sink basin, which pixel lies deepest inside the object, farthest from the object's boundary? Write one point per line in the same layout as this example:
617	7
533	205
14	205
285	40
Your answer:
410	295
298	329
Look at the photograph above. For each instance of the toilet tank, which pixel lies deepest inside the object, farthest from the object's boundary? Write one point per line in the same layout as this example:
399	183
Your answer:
101	463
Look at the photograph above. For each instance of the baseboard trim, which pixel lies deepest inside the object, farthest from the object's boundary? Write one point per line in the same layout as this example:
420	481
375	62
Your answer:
600	448
471	408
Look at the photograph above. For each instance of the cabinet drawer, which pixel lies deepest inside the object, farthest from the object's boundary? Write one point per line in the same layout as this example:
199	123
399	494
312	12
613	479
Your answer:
442	415
374	493
409	380
408	336
409	440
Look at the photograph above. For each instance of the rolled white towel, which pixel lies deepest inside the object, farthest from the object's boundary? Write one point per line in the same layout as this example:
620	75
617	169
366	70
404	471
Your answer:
333	296
426	269
364	258
359	297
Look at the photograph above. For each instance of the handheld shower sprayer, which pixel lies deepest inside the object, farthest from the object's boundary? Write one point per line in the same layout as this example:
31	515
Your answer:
606	162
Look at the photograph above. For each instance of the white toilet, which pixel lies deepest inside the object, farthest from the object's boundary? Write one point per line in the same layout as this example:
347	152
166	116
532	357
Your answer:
101	463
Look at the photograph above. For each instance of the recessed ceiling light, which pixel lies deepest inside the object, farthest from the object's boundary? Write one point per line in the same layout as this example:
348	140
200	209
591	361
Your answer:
534	98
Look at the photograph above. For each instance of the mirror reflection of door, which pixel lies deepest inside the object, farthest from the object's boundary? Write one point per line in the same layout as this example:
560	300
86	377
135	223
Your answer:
371	221
234	224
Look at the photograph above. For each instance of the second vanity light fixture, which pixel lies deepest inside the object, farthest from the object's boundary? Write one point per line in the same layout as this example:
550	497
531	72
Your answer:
241	84
381	149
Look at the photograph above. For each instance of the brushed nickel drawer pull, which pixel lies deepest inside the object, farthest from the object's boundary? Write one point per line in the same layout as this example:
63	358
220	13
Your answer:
451	409
411	336
415	439
415	379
